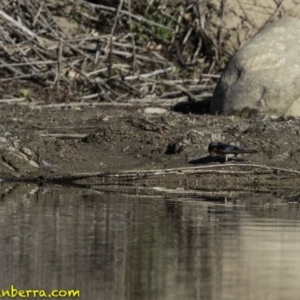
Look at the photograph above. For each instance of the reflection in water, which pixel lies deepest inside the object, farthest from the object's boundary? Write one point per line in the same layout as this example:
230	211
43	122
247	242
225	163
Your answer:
116	246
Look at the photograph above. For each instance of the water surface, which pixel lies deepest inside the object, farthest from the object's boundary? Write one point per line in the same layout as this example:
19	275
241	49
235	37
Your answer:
112	245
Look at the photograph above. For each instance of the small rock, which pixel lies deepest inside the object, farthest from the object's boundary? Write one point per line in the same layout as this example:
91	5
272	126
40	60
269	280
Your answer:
154	110
216	137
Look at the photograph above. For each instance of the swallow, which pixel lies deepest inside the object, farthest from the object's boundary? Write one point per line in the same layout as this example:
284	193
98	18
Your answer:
226	151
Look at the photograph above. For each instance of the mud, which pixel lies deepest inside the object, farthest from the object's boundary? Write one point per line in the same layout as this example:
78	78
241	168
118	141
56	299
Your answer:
54	142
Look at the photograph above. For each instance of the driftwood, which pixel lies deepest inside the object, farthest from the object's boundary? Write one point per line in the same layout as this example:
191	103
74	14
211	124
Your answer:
236	169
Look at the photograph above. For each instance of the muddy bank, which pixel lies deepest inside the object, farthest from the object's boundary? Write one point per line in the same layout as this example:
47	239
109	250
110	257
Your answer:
56	142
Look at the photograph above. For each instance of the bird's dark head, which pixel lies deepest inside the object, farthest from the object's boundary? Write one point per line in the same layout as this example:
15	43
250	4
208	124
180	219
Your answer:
212	148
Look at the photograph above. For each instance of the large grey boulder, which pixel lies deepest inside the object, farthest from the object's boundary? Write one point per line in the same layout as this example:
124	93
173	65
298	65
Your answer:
264	74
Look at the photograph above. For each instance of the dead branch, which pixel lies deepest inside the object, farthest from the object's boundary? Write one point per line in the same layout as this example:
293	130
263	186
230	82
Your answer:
35	46
253	169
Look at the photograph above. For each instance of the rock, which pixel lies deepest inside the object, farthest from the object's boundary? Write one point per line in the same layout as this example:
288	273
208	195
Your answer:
14	160
264	75
155	110
217	137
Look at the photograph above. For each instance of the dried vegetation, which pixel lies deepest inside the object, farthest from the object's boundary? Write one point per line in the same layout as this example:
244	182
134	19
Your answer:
75	52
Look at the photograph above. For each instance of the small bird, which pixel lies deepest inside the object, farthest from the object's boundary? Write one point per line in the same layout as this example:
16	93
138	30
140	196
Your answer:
226	151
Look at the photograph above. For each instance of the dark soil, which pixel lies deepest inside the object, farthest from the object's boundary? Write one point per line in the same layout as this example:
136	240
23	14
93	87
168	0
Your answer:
55	142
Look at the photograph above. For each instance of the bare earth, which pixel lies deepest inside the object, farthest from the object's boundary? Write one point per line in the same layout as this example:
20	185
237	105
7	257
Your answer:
49	143
97	145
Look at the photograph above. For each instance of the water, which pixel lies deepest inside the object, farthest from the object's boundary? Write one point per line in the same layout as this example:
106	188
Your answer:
111	245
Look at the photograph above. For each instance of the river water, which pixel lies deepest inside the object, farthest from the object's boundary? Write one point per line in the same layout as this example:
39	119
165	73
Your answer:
111	244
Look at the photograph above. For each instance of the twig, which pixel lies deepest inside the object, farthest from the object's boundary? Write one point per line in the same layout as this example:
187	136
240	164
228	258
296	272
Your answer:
140	174
9	19
245	14
278	8
223	5
112	36
49	62
38	13
12	100
138	103
134	63
124	12
59	62
154	73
